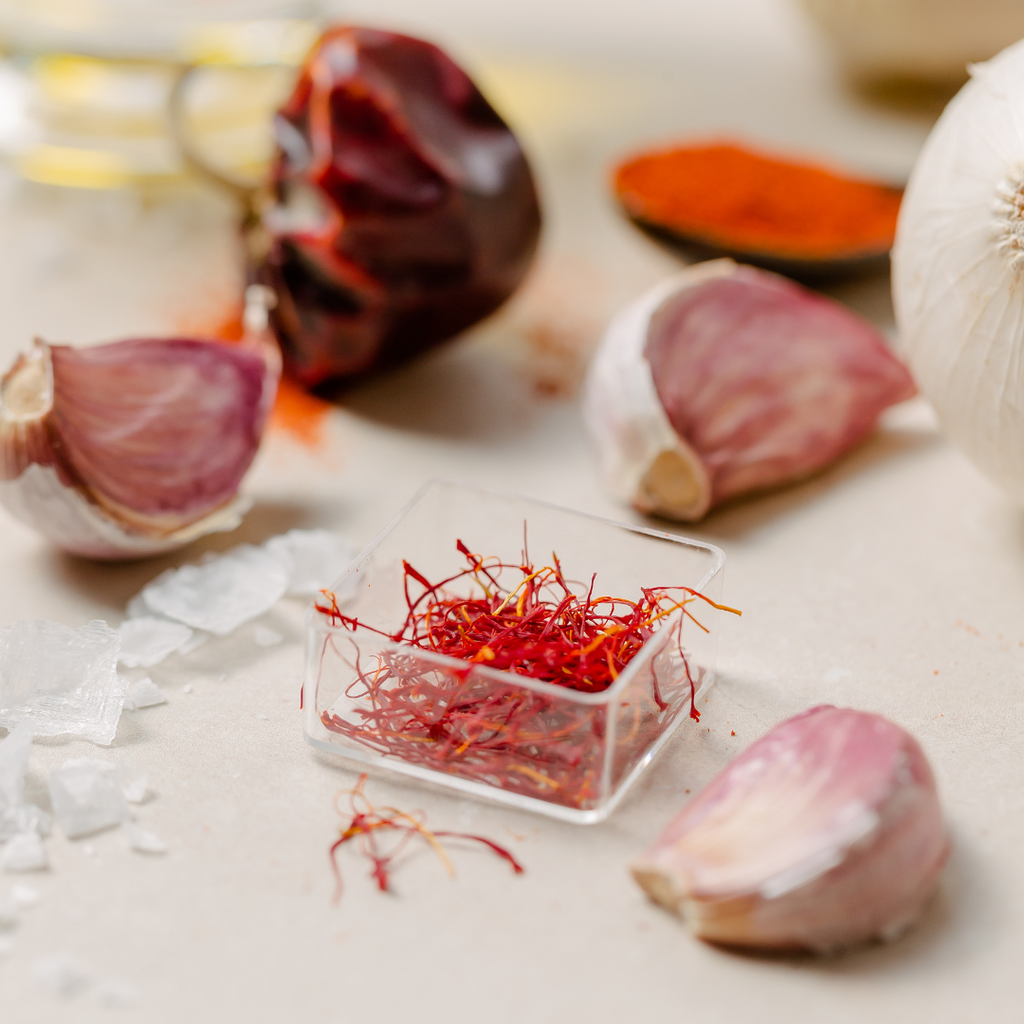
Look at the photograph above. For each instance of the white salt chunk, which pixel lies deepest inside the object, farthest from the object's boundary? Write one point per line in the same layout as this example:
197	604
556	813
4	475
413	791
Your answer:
134	785
64	680
219	595
266	637
14	754
86	799
23	852
143	840
187	689
25	895
315	558
199	637
61	974
148	640
116	992
144	694
17	815
10	913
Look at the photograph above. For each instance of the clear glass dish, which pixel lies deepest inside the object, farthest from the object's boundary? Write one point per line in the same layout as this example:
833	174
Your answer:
571	755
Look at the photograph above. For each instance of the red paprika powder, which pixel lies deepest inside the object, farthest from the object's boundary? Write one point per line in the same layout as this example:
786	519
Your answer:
732	198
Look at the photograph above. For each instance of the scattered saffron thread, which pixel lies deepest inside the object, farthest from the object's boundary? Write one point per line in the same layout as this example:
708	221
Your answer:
367	821
467	722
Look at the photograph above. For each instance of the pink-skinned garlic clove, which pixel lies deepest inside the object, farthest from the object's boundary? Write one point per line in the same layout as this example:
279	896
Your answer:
725	380
135	447
825	833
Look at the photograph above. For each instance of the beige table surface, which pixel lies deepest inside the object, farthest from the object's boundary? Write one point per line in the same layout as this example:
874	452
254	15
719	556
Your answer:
893	582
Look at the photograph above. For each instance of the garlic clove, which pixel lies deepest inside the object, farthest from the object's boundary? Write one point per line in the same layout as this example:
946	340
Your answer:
724	380
825	833
135	447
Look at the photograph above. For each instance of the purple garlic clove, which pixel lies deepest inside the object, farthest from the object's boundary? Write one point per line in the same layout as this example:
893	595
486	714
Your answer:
135	447
404	208
725	380
825	833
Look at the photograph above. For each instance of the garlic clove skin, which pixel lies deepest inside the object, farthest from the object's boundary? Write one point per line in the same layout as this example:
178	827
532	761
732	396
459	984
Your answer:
825	833
725	380
132	448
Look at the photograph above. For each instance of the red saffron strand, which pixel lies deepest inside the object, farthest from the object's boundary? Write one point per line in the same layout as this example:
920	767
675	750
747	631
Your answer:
460	721
366	821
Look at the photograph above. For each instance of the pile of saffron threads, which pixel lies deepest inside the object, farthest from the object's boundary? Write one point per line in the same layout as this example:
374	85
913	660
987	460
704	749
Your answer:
365	822
469	723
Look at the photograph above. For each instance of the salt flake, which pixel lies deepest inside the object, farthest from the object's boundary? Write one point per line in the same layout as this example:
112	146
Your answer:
148	640
23	852
315	558
144	694
10	915
142	840
25	895
86	799
219	595
64	680
134	785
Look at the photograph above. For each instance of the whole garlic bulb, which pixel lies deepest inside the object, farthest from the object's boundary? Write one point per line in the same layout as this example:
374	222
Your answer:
958	269
135	447
726	379
824	833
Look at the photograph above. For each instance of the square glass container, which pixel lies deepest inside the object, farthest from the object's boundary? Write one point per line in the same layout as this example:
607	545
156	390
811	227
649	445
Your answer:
493	734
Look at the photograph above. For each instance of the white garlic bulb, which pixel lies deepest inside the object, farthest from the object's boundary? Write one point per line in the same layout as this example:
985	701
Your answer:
824	833
726	379
132	448
958	269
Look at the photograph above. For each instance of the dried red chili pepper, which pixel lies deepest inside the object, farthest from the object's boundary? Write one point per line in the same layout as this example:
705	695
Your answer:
404	212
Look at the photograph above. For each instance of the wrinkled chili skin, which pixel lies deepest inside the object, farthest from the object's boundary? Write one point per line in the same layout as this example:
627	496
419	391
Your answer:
428	213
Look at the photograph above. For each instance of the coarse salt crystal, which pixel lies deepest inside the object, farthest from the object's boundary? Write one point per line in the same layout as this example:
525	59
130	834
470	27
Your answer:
64	680
25	895
142	840
221	594
315	558
15	750
134	785
144	694
86	799
148	640
9	913
23	852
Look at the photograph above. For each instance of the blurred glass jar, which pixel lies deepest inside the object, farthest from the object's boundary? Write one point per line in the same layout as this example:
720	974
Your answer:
104	93
925	40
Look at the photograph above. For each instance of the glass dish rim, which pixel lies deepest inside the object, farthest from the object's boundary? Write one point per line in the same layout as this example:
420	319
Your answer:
316	620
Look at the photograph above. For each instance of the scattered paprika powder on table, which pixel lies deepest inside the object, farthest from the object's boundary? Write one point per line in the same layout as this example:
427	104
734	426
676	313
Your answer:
725	196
